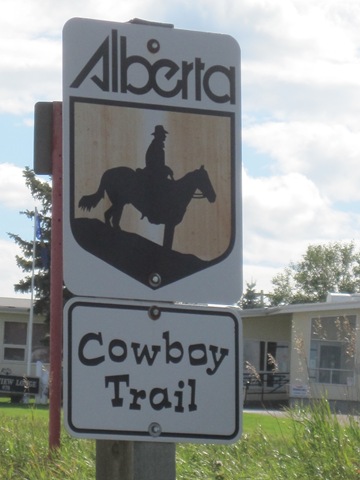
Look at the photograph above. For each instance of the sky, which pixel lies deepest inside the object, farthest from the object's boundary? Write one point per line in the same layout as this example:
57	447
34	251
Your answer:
300	68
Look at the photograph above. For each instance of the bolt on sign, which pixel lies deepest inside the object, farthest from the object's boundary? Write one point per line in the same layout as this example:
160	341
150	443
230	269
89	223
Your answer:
152	205
152	372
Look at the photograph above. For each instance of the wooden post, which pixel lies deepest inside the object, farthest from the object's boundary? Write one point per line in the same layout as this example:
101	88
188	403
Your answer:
114	460
135	460
154	461
56	282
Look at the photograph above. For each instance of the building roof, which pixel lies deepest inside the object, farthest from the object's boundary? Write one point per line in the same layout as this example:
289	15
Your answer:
16	304
334	301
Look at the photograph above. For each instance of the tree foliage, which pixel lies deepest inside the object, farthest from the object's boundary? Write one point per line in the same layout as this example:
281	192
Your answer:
324	268
251	299
41	192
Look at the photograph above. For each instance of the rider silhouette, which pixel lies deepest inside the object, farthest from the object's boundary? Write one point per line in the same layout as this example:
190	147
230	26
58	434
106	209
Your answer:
155	186
155	157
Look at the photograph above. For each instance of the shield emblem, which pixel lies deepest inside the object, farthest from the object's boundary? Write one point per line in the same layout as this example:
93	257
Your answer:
152	191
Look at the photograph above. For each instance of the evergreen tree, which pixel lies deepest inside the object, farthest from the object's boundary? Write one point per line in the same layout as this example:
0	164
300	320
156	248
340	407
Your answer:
250	298
40	191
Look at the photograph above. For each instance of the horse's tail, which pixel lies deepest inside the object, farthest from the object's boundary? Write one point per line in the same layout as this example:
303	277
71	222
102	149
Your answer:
87	202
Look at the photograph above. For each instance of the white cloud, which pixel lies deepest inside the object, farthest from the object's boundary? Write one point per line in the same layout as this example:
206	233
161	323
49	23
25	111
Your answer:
301	103
300	59
282	216
293	43
261	275
10	273
295	28
13	192
31	44
38	18
328	154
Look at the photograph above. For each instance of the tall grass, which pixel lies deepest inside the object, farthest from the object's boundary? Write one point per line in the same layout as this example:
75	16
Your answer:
310	443
25	456
324	445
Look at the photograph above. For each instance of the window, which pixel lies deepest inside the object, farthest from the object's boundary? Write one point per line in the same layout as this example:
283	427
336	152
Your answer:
15	341
269	360
15	337
332	349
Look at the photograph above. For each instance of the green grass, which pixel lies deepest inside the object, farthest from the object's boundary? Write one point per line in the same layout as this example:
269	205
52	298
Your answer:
270	424
306	444
21	410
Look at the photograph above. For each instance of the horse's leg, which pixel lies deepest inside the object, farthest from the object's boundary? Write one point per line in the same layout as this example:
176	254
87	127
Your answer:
117	210
108	215
169	235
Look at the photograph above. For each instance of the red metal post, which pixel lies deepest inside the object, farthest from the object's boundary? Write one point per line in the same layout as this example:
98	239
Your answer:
56	282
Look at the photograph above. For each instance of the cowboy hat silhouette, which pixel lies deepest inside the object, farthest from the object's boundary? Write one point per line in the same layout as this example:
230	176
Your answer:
159	129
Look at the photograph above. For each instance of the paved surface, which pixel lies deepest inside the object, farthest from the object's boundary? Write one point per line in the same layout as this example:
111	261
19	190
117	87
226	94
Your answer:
343	419
266	411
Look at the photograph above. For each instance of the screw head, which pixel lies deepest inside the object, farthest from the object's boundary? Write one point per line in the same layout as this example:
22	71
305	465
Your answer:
155	429
155	280
154	312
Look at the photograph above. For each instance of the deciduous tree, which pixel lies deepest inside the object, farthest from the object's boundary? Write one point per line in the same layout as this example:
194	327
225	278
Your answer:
324	268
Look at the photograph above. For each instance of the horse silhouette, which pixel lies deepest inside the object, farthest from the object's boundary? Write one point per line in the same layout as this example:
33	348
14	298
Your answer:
162	203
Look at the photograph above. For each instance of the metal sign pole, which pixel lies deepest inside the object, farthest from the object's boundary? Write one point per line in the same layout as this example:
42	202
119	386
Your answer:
56	281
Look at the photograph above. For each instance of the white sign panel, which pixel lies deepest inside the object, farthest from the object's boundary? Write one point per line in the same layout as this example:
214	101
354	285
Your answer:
151	130
300	391
152	373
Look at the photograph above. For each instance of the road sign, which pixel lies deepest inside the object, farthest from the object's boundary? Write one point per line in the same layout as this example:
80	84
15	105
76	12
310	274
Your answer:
152	372
152	204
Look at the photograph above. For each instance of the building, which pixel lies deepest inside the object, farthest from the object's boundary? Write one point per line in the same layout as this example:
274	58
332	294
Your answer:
295	353
14	346
292	353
